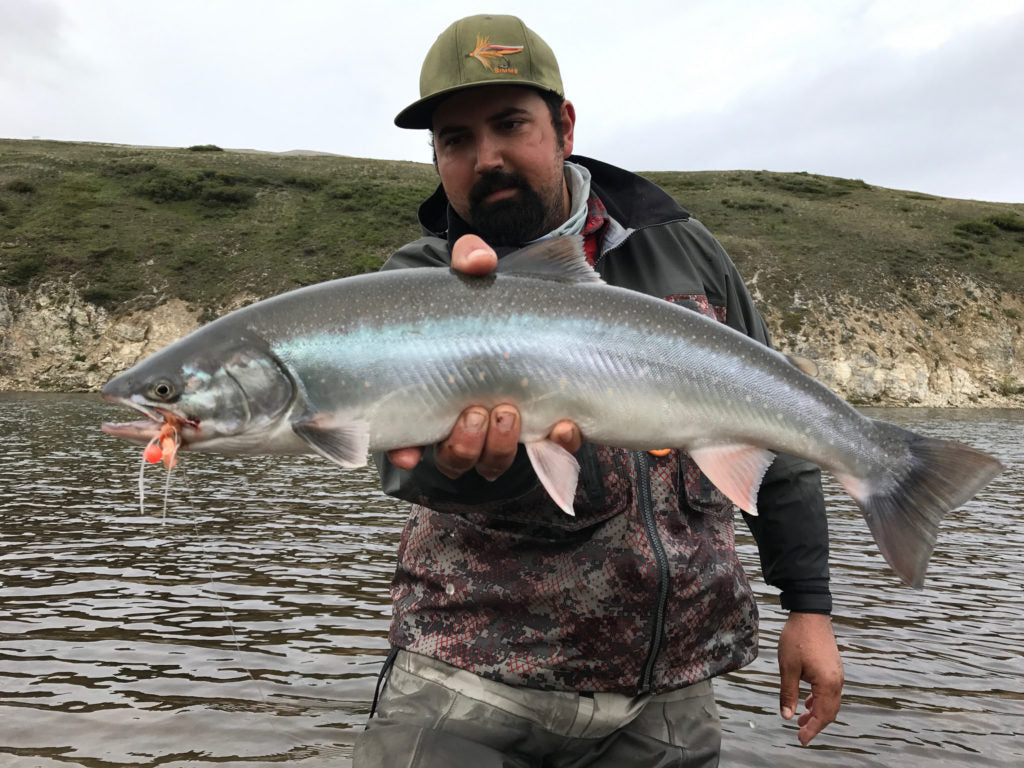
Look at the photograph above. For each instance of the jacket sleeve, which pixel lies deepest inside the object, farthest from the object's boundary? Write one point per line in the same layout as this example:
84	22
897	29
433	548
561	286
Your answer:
791	528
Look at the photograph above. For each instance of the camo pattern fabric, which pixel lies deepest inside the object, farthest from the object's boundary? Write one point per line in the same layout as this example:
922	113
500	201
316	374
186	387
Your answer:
519	592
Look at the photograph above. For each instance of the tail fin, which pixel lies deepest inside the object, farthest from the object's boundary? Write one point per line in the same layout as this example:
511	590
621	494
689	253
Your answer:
904	510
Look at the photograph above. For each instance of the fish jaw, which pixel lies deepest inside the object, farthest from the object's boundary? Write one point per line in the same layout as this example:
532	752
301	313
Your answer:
144	431
141	432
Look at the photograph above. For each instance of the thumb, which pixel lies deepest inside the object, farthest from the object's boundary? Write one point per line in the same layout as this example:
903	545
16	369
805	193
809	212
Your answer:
472	255
789	689
566	434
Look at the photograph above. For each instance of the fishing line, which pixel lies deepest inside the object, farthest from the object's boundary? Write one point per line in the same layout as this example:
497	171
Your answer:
142	487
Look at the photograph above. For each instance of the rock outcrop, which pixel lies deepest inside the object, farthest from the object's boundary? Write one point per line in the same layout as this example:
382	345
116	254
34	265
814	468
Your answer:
53	340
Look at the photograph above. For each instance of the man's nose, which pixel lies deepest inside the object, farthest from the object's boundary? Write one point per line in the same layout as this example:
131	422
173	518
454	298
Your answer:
488	155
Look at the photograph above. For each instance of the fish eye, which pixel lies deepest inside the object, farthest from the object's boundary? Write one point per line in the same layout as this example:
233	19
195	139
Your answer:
164	390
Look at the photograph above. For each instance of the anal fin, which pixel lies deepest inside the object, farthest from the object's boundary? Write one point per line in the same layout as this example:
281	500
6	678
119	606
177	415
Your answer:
736	470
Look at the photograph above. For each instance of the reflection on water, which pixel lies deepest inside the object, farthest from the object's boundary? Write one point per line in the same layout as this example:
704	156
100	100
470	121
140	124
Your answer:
243	621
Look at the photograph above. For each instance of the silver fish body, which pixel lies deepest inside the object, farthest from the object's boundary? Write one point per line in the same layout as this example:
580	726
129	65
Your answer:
389	360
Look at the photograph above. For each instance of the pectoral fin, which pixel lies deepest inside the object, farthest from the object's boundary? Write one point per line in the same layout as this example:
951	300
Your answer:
346	443
736	470
557	470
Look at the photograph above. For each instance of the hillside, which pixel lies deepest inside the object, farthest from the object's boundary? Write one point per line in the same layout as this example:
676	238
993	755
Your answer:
869	281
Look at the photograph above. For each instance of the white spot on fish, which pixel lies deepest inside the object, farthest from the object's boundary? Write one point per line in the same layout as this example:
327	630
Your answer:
525	382
449	589
482	375
367	384
507	355
451	378
562	383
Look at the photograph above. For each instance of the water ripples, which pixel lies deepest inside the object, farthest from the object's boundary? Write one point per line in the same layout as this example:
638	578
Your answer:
243	621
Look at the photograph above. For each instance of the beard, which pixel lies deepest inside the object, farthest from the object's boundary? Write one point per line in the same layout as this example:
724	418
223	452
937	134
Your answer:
512	221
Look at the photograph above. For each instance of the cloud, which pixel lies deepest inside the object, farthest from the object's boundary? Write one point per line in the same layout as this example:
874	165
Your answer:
27	31
940	119
903	94
32	39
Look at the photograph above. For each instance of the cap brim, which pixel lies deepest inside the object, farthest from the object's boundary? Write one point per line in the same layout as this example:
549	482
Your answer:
419	114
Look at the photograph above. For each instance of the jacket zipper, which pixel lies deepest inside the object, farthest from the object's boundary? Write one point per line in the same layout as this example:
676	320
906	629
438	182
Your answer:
661	561
650	526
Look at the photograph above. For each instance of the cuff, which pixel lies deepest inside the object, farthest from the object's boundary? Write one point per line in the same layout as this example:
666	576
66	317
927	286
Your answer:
807	599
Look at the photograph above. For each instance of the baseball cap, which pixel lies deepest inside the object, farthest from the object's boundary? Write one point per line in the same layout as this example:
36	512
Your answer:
476	51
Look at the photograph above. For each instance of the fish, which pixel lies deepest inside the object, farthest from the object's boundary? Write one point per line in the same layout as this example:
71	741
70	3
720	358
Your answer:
390	359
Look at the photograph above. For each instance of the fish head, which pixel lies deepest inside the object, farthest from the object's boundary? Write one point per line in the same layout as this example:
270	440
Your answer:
218	392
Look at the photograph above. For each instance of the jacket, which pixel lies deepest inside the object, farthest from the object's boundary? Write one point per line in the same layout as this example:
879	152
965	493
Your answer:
641	592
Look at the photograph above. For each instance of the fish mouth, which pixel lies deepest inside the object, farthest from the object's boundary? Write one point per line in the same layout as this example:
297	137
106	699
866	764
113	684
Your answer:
146	430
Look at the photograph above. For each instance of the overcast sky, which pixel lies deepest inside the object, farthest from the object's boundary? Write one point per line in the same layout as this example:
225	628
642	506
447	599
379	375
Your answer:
925	96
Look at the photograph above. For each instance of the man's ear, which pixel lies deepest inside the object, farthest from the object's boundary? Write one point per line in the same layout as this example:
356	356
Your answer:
568	118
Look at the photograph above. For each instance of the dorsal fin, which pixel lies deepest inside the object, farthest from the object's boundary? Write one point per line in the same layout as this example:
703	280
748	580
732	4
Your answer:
557	258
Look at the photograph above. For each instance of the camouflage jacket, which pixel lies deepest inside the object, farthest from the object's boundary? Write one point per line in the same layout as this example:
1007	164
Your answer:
642	590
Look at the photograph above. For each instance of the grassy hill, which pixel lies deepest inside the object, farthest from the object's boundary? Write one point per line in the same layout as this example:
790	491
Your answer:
134	226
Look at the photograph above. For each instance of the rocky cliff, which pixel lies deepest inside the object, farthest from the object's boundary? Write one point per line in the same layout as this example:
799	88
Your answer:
954	344
53	340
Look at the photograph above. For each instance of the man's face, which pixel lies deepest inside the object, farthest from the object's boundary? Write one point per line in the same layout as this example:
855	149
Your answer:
501	163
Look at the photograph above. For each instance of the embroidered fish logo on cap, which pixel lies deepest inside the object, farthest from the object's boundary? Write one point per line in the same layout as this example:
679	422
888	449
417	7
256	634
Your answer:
495	57
506	52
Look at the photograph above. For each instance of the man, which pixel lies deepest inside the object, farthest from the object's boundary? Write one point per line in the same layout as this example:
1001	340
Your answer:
523	636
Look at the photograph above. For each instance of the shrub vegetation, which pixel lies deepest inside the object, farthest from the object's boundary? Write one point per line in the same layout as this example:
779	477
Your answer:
132	224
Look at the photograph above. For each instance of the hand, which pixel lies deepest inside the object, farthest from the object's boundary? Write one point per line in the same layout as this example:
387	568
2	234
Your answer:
483	440
808	652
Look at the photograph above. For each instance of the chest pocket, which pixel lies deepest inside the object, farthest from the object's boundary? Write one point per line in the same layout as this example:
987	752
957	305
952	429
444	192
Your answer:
701	495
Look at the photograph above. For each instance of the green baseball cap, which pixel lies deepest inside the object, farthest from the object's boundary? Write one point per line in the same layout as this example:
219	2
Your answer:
481	50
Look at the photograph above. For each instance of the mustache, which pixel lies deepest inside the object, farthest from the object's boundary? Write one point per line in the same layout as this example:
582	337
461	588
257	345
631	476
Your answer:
494	181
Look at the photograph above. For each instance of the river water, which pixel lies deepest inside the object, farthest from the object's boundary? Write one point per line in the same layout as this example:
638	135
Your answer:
239	617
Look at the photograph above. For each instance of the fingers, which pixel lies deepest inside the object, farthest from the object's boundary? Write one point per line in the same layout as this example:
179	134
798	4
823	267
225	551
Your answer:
489	443
501	444
461	450
470	439
472	255
822	708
